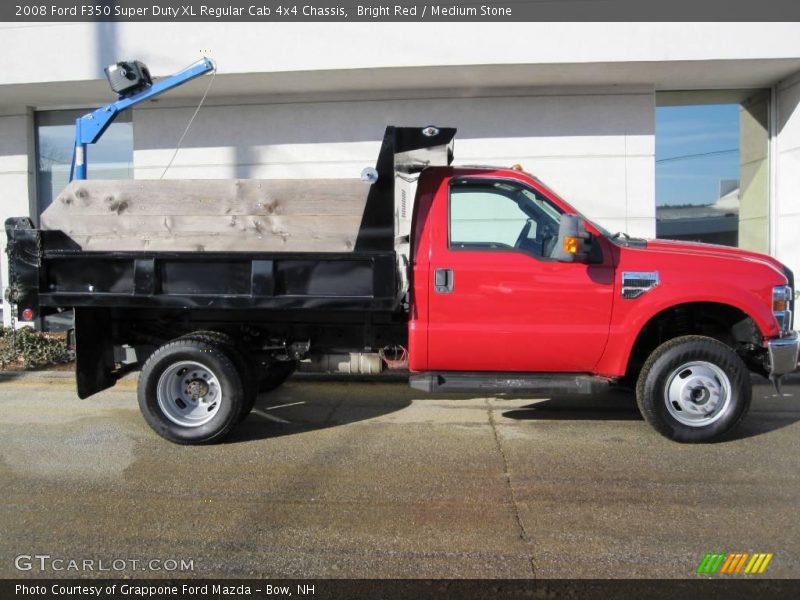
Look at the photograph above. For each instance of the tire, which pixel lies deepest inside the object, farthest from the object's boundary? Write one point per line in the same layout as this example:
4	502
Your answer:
228	345
275	374
190	392
693	389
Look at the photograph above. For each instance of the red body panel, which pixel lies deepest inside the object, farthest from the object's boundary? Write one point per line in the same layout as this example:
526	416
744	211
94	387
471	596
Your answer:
420	268
689	273
510	311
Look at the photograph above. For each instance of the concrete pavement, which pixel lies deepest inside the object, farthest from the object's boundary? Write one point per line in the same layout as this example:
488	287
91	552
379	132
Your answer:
338	479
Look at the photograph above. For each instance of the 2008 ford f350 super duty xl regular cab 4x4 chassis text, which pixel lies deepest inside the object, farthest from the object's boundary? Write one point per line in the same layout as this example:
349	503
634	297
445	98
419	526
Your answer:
489	280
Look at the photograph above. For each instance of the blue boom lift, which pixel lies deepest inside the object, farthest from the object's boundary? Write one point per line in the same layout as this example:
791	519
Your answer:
131	80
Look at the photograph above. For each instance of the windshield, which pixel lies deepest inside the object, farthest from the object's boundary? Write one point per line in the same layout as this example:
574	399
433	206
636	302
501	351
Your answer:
603	231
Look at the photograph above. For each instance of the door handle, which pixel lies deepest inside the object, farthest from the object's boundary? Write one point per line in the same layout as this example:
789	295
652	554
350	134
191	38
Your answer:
443	281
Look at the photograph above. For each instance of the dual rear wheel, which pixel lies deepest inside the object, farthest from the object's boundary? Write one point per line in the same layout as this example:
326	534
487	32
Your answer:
194	390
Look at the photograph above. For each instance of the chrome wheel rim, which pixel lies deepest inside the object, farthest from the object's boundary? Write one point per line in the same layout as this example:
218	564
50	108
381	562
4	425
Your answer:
189	394
697	393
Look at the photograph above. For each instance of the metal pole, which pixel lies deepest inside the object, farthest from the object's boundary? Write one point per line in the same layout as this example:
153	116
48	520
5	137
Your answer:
80	161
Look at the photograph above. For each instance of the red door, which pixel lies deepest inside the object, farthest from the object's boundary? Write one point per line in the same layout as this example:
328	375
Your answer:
496	301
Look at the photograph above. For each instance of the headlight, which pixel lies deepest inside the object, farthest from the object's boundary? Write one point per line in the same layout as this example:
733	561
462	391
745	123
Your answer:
782	297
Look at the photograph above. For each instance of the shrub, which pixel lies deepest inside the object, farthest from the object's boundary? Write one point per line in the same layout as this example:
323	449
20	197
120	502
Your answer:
33	349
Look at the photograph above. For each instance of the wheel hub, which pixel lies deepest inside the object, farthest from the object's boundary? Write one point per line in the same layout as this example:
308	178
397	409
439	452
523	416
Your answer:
697	393
189	393
197	389
700	395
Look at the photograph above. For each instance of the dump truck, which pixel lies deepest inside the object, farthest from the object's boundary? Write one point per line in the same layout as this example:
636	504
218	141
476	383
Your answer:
474	279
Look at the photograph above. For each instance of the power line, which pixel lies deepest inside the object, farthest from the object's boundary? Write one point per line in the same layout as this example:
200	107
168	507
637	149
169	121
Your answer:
671	158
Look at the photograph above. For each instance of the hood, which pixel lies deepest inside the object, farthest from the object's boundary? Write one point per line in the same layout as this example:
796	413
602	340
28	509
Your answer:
700	249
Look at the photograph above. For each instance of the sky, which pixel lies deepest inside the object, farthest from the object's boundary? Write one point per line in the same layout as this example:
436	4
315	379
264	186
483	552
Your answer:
696	147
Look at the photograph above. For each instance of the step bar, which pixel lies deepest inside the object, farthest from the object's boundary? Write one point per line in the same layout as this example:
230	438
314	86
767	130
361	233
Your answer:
499	383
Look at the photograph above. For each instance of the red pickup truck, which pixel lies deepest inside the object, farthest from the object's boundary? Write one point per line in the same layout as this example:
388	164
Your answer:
490	281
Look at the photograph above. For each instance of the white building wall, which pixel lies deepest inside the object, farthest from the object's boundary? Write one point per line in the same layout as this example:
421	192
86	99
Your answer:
786	197
16	171
79	51
571	102
594	147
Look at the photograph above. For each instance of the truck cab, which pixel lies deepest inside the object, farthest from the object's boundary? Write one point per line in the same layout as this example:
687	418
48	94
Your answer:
491	238
500	288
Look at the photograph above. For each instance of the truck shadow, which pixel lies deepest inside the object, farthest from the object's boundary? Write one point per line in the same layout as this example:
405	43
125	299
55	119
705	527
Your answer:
297	407
768	411
613	405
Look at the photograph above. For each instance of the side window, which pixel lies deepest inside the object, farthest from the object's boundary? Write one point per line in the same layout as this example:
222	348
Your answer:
483	218
500	215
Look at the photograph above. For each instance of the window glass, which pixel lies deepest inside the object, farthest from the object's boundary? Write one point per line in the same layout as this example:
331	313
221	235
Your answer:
712	167
110	158
501	215
484	217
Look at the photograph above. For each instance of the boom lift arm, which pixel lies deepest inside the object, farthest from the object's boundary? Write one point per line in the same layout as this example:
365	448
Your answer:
90	127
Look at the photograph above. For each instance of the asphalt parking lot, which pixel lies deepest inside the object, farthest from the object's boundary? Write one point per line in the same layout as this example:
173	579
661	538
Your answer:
360	479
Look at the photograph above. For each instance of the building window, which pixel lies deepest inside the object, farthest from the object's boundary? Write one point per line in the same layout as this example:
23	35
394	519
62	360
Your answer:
110	158
712	168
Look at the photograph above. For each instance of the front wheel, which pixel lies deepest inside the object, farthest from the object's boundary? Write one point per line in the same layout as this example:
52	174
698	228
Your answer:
190	392
693	389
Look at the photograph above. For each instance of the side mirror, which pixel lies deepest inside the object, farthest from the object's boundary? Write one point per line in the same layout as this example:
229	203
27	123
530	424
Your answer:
572	240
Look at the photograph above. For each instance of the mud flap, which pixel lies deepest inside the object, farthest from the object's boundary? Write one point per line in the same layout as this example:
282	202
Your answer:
94	352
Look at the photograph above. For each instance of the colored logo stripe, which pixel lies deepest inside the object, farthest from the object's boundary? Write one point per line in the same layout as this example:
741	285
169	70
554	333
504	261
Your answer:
734	562
711	562
758	564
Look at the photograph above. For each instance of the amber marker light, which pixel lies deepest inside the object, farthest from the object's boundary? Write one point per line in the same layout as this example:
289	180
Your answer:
571	244
780	298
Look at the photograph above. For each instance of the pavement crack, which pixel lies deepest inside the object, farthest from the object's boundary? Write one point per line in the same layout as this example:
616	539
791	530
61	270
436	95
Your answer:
523	532
328	420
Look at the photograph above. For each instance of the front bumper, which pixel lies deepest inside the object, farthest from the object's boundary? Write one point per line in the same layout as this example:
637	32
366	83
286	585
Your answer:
783	354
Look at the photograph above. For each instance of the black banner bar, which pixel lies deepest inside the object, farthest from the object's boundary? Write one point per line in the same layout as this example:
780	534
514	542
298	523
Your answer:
731	588
398	10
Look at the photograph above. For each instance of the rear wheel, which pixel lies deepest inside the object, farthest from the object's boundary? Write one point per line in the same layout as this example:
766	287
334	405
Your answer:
190	392
229	346
693	389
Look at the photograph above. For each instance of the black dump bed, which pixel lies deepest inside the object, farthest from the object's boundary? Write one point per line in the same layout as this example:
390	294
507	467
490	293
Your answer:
58	268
